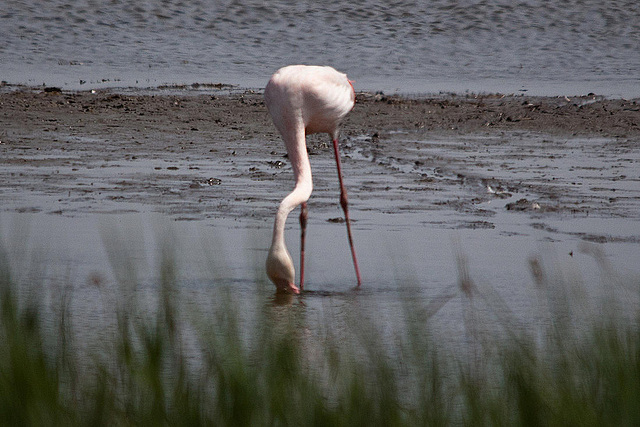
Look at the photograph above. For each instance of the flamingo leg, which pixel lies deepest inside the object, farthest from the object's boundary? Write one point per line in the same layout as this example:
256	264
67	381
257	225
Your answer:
345	207
303	232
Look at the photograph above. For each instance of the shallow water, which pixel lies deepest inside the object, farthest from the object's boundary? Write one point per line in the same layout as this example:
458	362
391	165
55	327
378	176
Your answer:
84	258
545	48
413	221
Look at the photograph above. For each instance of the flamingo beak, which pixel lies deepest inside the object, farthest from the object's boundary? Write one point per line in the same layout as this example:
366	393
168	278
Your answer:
287	287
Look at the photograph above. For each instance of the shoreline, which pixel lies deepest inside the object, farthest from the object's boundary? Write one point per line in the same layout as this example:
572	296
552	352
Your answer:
582	114
614	88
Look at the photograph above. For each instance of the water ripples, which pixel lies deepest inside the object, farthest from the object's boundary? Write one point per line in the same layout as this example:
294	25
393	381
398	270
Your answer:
443	39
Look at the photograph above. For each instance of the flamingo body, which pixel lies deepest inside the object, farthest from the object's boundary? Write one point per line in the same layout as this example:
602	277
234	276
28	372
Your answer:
310	98
303	100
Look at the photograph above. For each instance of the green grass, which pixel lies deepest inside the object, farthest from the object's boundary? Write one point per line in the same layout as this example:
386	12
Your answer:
165	365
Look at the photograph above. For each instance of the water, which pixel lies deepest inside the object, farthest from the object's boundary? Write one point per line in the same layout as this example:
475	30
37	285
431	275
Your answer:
408	237
547	48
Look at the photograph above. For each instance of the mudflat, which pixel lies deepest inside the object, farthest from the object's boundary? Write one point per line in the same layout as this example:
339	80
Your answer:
195	155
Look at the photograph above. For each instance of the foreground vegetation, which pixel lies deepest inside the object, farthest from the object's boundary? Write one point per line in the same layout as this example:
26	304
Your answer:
170	363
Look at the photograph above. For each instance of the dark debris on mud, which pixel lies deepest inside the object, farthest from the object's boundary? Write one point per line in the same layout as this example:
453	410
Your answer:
211	154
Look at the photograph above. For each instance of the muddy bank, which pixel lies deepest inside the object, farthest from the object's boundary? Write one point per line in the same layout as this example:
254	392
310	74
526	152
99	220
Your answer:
178	110
195	155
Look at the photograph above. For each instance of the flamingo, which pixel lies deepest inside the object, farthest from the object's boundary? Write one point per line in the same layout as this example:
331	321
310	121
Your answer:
304	100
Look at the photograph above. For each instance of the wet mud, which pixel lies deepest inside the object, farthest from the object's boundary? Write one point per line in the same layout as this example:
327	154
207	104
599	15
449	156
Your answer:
447	161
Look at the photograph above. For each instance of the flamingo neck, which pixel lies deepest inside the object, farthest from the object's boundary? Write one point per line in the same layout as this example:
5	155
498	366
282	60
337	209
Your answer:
297	151
277	240
300	194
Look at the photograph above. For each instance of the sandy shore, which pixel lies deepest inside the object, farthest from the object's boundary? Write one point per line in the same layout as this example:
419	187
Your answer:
195	155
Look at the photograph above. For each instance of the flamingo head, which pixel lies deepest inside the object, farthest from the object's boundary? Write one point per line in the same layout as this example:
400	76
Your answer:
281	271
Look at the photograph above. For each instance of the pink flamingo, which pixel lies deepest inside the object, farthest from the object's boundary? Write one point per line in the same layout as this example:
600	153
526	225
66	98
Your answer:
303	100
